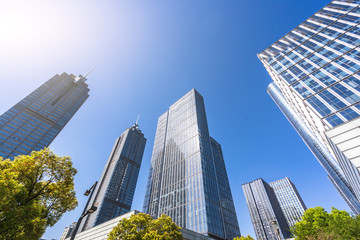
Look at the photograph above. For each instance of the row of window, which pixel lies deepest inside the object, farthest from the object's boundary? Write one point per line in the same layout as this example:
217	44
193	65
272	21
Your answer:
285	45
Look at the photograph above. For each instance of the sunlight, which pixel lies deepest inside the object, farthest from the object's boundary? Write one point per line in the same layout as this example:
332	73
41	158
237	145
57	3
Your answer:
23	25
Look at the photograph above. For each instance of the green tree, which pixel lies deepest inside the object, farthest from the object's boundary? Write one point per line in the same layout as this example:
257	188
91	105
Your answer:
35	190
142	227
244	238
316	223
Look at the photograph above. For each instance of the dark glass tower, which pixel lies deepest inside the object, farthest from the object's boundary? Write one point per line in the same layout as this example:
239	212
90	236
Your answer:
35	121
114	192
227	207
188	179
264	207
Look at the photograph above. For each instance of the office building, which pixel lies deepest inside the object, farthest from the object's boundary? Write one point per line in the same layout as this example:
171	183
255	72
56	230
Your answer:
231	226
67	231
316	68
34	122
264	208
325	158
291	203
188	179
113	194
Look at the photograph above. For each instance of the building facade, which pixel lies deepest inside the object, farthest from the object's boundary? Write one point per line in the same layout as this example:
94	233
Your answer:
113	195
188	179
264	207
316	68
67	231
34	122
227	208
291	203
325	158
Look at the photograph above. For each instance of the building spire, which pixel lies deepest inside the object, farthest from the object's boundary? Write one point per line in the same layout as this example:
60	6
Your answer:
136	126
137	120
89	72
84	77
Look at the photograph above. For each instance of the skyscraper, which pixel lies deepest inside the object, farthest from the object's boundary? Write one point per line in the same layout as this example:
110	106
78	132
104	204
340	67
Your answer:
188	179
324	157
291	203
264	208
227	207
35	121
114	192
316	68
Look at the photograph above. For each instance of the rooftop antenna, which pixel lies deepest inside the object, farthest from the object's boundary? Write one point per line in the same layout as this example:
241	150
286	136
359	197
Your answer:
84	77
137	120
89	72
136	126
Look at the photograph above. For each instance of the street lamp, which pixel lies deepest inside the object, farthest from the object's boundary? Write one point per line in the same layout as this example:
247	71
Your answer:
91	210
275	226
86	211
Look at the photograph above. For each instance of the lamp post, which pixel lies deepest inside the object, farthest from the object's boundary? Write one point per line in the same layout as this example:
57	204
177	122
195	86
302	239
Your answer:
86	211
275	226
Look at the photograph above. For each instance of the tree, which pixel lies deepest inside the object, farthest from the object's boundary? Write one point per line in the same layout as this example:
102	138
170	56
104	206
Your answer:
141	226
244	238
35	190
316	223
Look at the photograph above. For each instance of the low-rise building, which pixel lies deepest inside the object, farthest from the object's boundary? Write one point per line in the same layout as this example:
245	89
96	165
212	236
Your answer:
101	231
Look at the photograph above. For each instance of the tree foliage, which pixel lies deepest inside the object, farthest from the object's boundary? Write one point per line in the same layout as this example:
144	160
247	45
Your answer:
141	226
35	190
319	224
244	238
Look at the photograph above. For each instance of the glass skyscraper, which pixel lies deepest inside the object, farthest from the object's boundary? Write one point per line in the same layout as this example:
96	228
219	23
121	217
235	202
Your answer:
264	208
289	199
324	157
35	121
114	192
188	179
316	67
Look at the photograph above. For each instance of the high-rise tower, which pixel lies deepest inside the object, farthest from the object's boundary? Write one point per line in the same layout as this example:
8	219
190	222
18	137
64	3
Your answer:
188	179
114	192
316	68
35	121
289	199
324	157
264	208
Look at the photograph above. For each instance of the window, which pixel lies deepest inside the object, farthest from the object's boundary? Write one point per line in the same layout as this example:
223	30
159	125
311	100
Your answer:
332	100
303	91
346	93
320	107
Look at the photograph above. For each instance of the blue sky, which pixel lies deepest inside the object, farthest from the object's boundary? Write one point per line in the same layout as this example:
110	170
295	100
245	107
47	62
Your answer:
147	55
